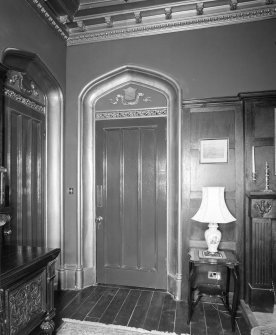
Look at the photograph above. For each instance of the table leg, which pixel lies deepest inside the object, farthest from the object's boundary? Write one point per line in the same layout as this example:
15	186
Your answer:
235	302
190	291
227	287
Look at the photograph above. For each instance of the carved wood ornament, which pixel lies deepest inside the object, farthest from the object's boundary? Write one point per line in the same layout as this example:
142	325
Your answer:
263	207
26	302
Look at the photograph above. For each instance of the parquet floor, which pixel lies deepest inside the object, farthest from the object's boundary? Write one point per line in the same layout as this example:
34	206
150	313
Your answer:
144	308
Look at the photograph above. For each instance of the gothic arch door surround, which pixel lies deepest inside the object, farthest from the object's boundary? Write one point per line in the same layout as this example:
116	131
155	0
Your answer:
31	64
86	230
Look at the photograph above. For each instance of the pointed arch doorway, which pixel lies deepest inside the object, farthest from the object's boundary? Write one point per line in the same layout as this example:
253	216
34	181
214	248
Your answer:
86	273
52	179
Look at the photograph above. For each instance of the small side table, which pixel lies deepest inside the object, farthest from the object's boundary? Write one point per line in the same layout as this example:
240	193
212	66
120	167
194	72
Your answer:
232	265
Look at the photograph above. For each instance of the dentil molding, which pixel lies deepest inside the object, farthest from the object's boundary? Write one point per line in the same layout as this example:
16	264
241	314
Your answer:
89	26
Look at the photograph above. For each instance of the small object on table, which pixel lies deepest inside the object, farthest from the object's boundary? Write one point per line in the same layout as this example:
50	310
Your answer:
215	255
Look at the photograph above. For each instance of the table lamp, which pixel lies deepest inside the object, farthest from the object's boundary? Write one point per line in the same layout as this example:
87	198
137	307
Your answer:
213	210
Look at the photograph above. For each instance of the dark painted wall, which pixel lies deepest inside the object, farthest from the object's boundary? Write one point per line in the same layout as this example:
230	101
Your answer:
22	28
214	62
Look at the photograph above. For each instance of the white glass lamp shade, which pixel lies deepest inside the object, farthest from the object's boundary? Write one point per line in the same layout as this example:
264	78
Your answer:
213	210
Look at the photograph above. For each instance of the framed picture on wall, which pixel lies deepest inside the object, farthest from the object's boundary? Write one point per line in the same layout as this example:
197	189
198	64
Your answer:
214	150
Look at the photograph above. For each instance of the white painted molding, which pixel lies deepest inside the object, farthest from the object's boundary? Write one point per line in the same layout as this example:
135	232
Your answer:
27	102
173	25
183	18
131	113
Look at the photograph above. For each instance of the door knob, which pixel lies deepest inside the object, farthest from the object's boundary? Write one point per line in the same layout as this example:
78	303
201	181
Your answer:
99	221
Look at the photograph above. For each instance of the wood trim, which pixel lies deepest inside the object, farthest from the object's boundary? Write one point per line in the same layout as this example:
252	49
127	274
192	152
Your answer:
240	191
53	177
248	314
259	95
217	105
86	156
186	182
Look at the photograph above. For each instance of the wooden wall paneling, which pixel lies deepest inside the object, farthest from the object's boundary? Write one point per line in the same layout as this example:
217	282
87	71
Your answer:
2	131
24	143
2	79
240	190
273	252
260	287
214	118
259	132
249	125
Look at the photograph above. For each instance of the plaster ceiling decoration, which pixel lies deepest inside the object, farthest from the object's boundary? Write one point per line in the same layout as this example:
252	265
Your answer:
87	21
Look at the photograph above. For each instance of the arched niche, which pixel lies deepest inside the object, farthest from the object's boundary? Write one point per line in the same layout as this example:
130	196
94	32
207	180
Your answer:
86	250
32	65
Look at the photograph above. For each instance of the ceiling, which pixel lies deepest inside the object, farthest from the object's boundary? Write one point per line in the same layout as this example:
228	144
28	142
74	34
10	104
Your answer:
87	21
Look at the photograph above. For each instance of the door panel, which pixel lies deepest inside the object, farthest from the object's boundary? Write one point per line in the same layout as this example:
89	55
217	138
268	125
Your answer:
131	167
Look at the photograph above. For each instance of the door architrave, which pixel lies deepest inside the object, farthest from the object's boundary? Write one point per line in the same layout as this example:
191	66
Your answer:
86	230
31	64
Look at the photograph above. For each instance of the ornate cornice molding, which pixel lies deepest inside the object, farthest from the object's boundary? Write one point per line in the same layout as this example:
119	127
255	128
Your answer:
195	22
133	113
86	25
27	102
49	17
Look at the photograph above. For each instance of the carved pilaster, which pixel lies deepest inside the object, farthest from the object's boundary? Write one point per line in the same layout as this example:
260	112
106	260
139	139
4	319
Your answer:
260	263
261	257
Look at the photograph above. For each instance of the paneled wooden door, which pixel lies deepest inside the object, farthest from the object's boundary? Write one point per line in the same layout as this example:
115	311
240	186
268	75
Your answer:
131	201
25	147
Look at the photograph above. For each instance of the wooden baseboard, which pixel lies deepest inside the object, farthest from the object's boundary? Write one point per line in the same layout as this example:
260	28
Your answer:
248	314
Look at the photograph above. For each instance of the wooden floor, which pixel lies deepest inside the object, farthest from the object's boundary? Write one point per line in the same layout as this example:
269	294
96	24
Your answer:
143	308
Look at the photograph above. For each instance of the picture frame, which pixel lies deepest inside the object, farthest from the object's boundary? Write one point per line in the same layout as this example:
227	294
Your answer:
214	150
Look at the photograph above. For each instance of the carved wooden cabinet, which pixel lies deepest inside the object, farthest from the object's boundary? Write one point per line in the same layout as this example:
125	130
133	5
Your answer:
261	260
26	289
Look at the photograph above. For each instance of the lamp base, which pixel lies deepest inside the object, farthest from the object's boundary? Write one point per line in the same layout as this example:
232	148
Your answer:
212	237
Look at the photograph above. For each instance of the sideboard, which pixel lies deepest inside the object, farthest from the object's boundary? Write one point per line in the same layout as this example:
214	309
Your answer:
26	289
